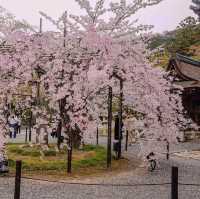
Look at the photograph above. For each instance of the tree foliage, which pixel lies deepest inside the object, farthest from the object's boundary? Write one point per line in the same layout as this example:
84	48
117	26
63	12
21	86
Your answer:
91	55
186	35
196	7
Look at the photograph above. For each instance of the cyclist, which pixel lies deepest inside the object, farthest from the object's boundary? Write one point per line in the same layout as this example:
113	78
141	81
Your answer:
152	161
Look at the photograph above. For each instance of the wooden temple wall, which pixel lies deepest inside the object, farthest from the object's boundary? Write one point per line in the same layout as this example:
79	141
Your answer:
191	103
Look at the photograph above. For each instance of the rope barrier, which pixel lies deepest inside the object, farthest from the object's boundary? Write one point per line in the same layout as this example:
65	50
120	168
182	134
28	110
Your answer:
99	184
188	184
95	184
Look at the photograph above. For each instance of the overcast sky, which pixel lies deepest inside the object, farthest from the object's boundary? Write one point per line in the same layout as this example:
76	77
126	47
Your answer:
164	16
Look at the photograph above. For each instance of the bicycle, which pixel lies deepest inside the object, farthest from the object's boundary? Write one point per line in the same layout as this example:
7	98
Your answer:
152	164
3	165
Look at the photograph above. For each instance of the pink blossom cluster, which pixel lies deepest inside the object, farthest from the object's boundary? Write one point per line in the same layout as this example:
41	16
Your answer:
79	66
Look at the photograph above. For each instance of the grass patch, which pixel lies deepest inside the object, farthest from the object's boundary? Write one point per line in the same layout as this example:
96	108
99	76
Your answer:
90	161
23	150
50	152
98	159
91	147
89	156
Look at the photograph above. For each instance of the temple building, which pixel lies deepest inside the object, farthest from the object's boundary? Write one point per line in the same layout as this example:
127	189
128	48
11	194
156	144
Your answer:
186	73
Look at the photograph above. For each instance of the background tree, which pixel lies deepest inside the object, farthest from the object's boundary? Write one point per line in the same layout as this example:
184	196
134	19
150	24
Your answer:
196	7
186	35
8	25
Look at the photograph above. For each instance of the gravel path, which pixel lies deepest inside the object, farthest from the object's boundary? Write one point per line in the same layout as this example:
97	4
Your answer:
189	172
45	190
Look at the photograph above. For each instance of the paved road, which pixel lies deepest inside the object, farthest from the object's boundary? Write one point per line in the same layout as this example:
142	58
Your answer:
20	138
103	141
189	172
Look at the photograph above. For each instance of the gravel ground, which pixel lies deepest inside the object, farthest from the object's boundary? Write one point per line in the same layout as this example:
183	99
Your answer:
189	172
45	190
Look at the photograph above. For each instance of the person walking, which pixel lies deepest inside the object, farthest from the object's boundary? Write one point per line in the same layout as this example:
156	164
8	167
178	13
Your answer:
18	120
13	126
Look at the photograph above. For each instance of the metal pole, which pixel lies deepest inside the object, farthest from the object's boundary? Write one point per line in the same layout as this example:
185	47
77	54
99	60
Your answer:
120	120
109	155
126	146
97	136
174	184
18	179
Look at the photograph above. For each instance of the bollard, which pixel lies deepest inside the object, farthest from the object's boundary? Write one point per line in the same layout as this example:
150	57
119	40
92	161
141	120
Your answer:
18	179
174	183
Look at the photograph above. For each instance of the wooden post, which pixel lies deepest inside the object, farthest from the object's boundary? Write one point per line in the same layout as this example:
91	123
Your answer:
69	153
62	102
126	146
30	126
40	25
69	160
167	151
97	136
26	136
59	130
174	183
38	91
109	155
64	32
18	179
38	73
120	120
